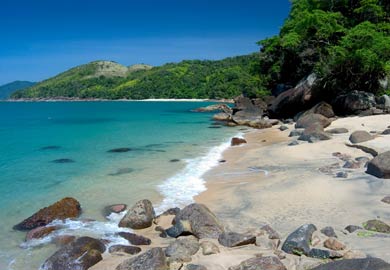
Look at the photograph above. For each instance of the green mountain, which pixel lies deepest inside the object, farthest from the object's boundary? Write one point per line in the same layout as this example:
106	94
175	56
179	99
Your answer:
188	79
7	89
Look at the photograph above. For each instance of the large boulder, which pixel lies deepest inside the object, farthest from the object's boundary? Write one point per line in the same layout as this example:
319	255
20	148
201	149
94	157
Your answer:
233	239
245	105
293	101
380	166
80	254
140	216
308	120
355	264
182	249
384	102
153	259
135	239
260	263
314	133
63	209
353	103
298	242
360	136
198	220
322	108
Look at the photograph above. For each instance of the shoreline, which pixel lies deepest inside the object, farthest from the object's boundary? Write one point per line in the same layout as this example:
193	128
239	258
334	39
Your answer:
269	182
114	100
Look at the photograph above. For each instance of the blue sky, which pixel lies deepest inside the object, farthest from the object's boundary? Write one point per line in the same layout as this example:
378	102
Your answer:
40	38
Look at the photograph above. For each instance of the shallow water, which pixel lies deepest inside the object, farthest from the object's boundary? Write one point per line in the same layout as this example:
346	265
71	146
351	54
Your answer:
52	150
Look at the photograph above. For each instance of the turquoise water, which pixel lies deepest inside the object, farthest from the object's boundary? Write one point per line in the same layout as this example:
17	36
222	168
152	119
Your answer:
33	135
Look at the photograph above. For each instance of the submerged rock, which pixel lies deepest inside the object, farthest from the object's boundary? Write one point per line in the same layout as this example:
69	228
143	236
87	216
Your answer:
355	264
119	150
50	147
153	259
233	239
80	254
140	216
380	166
198	220
122	171
260	263
63	160
114	208
298	242
40	232
63	209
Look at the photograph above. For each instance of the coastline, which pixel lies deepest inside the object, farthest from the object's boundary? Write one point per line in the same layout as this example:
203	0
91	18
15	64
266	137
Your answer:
64	99
269	182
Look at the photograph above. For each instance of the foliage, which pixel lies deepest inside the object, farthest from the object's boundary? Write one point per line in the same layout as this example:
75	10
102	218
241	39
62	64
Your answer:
345	41
9	88
226	78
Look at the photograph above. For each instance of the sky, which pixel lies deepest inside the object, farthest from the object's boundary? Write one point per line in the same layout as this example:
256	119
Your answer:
41	38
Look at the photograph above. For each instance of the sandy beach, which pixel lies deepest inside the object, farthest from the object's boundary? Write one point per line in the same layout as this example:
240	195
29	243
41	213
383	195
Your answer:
266	181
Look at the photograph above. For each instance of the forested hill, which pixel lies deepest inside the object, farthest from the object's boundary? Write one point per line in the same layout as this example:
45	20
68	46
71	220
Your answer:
9	88
225	78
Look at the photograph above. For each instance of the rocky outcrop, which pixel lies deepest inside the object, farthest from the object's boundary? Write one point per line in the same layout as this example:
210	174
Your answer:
353	103
261	263
355	264
153	259
380	166
360	136
237	141
182	249
198	220
63	209
376	226
80	254
222	117
233	239
140	216
216	107
298	242
295	100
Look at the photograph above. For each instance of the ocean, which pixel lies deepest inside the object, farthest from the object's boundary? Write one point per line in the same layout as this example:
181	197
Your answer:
51	150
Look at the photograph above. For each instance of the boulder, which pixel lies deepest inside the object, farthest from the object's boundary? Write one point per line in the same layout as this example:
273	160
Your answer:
140	216
283	128
376	226
322	108
352	228
153	259
63	240
40	232
293	143
182	249
233	239
251	121
135	239
334	244
323	254
237	141
355	264
314	133
341	175
80	254
353	103
329	231
386	132
63	209
337	130
215	107
386	199
209	248
384	101
295	133
312	119
360	136
298	242
124	249
198	220
245	105
380	166
260	263
292	101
